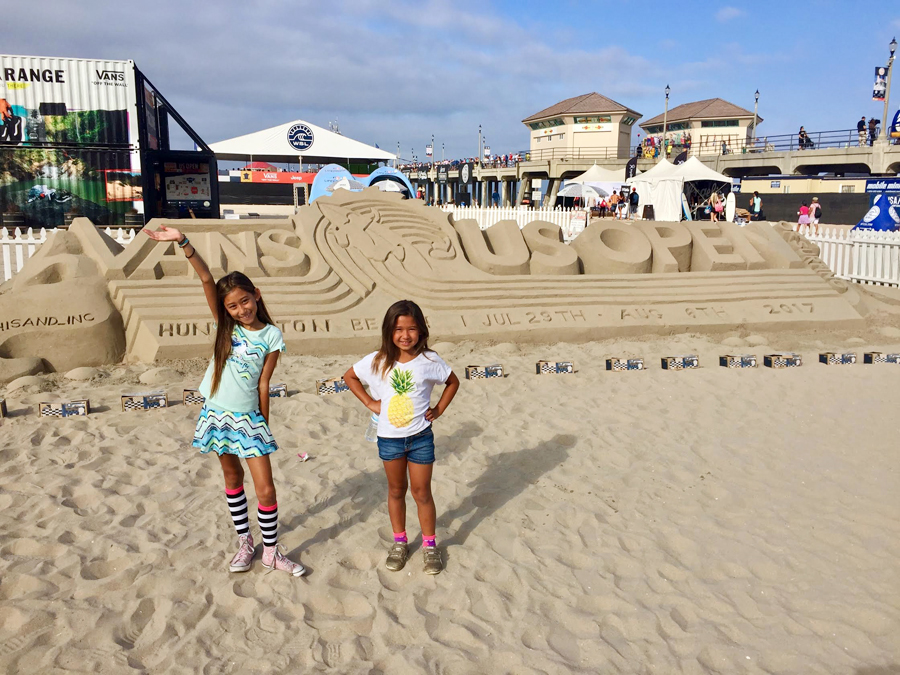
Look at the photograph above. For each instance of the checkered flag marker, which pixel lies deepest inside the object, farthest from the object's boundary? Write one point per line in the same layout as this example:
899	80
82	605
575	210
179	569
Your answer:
880	357
332	385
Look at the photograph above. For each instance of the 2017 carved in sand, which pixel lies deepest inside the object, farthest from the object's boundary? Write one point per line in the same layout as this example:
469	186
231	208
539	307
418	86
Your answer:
329	272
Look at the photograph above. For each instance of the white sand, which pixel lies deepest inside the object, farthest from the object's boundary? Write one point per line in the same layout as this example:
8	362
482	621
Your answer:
709	521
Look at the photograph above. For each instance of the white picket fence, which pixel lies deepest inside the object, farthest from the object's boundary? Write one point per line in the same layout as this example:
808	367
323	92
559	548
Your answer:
487	216
15	250
861	256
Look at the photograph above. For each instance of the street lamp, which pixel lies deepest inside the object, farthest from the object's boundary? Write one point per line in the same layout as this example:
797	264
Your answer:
478	158
887	93
665	121
755	110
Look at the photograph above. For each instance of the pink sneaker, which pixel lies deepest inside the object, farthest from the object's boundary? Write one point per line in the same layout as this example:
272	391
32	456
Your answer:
273	559
244	557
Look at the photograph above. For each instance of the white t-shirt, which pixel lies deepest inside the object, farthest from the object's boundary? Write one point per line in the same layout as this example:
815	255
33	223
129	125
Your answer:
403	415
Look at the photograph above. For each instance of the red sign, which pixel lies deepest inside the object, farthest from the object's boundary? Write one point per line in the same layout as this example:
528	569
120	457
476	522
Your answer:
280	177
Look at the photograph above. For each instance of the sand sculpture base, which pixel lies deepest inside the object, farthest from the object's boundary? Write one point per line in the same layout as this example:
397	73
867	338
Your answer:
329	273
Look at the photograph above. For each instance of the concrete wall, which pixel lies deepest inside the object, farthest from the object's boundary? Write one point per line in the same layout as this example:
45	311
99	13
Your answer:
837	209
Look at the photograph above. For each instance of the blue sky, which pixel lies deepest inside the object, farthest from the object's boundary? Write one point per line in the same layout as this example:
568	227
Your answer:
402	71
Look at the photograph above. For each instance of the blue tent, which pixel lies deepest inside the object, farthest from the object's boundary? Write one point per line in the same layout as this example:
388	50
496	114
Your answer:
390	173
881	217
328	174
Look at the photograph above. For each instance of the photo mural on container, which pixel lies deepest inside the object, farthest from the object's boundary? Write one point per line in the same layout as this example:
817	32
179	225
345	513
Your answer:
68	140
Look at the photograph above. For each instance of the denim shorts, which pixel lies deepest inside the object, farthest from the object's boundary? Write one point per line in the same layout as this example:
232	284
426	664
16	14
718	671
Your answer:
418	449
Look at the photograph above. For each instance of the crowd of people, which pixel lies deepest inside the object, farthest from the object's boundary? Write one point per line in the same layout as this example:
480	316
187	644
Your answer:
490	161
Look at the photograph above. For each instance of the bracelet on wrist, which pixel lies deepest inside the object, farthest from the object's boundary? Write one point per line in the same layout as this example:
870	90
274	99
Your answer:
184	242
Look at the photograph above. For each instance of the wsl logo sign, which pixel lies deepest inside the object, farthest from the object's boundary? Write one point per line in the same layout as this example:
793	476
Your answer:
300	136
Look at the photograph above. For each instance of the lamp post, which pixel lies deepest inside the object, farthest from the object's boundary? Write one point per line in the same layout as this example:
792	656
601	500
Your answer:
479	146
432	149
755	110
887	93
665	122
398	155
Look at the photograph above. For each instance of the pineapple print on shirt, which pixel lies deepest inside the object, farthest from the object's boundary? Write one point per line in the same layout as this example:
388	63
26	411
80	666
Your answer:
400	409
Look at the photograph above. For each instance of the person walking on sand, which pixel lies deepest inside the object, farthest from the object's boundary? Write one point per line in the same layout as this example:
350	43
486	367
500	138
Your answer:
803	214
715	207
234	420
400	376
815	211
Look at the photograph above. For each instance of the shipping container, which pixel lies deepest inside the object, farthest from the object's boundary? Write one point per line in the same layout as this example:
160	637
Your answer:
91	137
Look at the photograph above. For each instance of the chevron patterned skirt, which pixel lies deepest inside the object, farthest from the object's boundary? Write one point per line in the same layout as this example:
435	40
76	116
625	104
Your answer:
242	434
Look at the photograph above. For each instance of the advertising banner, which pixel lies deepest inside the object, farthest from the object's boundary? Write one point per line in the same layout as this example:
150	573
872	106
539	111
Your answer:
880	87
68	139
442	174
429	150
277	177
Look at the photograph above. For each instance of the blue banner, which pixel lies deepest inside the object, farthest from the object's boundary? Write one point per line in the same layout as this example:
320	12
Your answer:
882	216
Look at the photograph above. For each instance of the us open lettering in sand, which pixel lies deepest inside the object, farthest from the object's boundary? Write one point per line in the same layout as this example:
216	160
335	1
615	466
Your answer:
328	273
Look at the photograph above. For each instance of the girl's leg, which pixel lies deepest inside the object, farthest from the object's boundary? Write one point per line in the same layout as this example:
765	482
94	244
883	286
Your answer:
267	516
395	470
234	492
267	509
420	483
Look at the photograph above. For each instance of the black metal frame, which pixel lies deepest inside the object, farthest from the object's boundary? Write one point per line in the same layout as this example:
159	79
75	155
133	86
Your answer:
152	160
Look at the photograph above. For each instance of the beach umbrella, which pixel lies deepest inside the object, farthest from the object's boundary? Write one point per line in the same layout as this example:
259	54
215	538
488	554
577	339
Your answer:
582	191
389	186
345	184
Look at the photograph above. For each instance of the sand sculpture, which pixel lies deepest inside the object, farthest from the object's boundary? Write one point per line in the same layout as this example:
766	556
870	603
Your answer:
328	273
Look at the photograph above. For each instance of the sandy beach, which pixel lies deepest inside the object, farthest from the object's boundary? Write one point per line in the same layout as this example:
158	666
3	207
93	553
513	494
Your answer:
705	521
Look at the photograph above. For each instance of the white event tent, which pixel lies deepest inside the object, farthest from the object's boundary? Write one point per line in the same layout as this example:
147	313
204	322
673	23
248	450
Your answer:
320	146
607	180
663	185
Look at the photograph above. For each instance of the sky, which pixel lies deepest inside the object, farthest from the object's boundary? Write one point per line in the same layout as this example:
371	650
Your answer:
397	71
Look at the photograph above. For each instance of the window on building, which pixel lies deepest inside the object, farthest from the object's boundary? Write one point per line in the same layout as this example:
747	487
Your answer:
547	124
654	129
718	123
596	119
628	120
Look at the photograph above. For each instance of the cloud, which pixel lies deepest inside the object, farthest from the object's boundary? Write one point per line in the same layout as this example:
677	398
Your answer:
398	71
728	13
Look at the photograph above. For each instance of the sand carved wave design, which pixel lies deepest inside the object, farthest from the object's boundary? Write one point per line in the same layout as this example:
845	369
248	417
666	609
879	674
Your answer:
409	254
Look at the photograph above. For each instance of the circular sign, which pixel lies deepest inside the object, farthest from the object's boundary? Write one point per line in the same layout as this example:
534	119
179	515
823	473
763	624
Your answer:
300	136
464	173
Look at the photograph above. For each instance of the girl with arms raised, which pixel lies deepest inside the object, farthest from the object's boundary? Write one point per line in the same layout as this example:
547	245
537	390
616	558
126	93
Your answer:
234	421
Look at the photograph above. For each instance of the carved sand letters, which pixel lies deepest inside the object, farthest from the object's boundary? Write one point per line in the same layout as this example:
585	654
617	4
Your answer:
329	272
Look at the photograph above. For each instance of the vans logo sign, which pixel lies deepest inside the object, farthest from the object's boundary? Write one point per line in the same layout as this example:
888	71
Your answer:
110	75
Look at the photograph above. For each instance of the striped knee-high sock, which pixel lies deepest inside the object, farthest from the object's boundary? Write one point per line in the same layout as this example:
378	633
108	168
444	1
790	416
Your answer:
268	523
237	504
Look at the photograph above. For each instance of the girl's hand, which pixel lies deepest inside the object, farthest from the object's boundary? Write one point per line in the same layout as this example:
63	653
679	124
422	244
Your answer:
164	234
375	407
432	414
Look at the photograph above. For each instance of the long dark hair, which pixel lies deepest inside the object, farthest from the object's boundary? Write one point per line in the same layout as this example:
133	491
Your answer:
389	352
226	323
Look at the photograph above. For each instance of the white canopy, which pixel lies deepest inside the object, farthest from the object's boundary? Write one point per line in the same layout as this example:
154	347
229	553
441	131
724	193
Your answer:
662	187
272	145
693	169
598	174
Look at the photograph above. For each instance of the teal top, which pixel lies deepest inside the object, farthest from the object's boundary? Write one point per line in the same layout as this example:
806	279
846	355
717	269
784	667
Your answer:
239	387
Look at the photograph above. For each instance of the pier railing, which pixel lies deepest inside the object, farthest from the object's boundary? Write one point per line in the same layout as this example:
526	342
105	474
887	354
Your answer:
17	246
